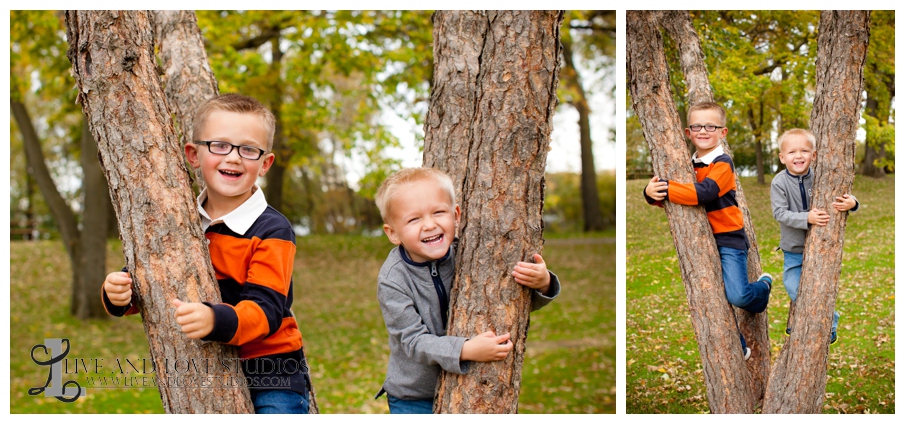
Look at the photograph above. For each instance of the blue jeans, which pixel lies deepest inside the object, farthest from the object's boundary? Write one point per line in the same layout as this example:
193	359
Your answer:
791	278
752	297
410	406
279	402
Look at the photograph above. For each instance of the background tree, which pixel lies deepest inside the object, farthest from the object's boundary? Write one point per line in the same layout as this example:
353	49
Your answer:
37	47
879	82
594	40
113	60
488	126
798	381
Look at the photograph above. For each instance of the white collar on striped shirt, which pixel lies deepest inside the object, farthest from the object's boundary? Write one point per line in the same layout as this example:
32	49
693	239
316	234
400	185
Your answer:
241	218
708	158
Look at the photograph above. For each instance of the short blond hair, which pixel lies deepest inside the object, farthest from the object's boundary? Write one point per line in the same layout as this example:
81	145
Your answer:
798	131
708	106
391	185
236	103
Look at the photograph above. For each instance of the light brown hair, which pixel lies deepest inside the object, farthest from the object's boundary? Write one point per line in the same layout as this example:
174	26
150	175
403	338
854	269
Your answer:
409	175
236	103
798	131
708	106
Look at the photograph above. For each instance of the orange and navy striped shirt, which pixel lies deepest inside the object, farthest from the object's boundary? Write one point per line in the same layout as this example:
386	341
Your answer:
715	190
252	251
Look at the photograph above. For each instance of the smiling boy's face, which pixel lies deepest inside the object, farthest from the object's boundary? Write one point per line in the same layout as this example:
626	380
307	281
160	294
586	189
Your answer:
796	153
705	141
229	178
423	219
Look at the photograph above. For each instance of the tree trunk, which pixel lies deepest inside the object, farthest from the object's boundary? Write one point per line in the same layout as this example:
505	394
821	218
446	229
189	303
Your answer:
188	78
725	374
115	69
34	157
92	258
488	126
277	174
62	213
755	327
871	152
798	382
590	198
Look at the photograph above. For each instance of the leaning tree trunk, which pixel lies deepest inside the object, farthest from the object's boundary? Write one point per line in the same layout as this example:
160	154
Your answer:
755	327
188	79
488	126
711	315
114	66
798	382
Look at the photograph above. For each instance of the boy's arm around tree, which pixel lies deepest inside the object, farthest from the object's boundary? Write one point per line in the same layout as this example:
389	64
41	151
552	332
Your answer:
718	182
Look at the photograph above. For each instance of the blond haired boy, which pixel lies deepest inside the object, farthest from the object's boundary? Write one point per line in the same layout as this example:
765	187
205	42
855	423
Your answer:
421	218
790	195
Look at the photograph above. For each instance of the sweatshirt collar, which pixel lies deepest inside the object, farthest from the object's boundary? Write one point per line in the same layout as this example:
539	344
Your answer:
795	177
408	260
708	158
241	218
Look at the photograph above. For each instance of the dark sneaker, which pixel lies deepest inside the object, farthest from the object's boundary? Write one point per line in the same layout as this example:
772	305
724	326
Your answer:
833	338
767	278
747	353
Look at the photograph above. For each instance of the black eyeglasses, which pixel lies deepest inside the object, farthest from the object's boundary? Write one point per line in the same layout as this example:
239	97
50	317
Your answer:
709	128
224	148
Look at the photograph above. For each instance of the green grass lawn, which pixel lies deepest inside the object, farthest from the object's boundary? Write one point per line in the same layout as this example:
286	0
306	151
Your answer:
569	364
663	369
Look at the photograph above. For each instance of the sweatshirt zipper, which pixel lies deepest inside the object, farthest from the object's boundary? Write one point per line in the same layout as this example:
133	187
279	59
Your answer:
804	196
441	293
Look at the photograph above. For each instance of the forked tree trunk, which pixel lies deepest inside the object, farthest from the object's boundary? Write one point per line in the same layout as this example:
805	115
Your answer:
725	374
755	327
115	69
798	381
488	126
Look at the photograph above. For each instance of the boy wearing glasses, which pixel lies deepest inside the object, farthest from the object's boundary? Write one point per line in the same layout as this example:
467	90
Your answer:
252	248
715	190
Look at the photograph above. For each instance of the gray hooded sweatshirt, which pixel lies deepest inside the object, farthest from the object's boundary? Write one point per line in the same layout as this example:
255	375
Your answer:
790	196
414	300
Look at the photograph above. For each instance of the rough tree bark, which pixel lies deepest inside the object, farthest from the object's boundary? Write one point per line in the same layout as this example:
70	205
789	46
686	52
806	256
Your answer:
86	248
114	66
798	381
712	317
755	327
187	76
488	126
